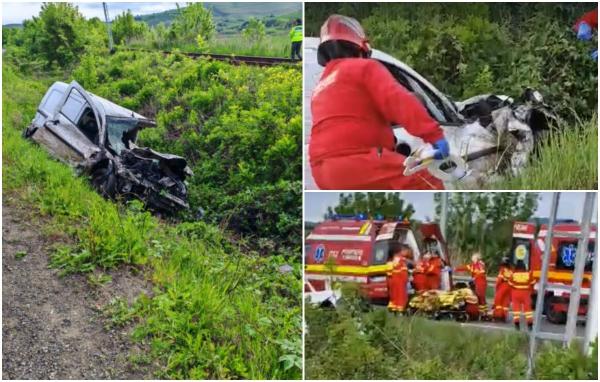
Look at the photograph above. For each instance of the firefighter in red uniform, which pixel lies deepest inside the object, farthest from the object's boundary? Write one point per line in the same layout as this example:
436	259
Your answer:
397	280
419	273
477	270
585	26
502	292
434	273
521	282
357	100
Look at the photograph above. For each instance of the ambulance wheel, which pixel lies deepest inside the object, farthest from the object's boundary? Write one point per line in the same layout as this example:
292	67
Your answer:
553	315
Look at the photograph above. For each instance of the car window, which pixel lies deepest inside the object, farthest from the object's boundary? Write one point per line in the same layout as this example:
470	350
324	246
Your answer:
73	106
430	100
120	131
381	252
52	101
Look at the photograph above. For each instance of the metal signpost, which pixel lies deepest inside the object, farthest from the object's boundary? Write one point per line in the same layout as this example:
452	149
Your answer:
539	302
580	260
581	256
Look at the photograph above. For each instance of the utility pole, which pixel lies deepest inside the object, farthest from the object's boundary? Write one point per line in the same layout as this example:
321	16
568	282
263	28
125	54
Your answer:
541	290
109	27
580	260
591	322
444	215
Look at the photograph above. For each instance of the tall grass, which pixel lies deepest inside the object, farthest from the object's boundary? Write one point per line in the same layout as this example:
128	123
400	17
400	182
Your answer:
272	45
350	343
566	160
216	311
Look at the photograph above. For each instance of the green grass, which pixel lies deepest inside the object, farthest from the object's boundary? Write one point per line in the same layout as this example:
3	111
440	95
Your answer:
216	311
348	343
273	45
567	160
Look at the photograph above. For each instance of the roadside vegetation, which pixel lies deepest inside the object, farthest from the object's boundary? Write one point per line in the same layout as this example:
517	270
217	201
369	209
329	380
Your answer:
479	48
350	342
227	274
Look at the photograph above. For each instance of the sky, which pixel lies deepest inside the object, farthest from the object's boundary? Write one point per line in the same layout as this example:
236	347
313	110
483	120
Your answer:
570	205
15	13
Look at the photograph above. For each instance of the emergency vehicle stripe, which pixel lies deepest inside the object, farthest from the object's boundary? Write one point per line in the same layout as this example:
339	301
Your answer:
563	234
348	269
365	229
560	276
356	279
338	237
523	235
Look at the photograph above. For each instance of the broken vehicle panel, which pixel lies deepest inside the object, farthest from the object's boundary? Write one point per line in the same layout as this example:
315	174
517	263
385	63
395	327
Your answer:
98	138
489	135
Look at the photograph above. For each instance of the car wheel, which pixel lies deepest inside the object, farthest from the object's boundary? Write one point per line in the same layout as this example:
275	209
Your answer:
104	178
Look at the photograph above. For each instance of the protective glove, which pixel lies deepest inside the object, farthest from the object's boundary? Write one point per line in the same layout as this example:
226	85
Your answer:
584	31
594	55
442	149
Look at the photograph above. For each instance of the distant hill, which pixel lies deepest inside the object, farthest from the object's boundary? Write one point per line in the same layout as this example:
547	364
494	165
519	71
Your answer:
230	18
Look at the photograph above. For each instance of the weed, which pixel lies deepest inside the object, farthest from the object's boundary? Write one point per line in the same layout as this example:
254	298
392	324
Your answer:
98	280
20	254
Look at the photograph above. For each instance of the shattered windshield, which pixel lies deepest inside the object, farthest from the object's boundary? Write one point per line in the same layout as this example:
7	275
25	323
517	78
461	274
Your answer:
120	131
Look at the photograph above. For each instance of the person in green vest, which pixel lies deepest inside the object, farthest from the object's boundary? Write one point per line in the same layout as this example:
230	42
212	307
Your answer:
296	38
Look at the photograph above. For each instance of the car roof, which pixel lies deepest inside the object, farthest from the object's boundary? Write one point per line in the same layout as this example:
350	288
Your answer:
110	109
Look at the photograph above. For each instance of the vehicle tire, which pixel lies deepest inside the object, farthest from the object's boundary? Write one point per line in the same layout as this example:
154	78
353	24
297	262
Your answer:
553	316
104	178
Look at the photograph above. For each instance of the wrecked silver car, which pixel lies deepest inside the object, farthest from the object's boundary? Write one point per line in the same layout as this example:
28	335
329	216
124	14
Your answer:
98	137
490	136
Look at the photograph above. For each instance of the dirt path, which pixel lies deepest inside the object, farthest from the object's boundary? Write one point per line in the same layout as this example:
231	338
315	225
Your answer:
52	327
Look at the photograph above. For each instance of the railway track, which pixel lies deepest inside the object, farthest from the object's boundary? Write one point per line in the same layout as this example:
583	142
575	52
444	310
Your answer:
231	58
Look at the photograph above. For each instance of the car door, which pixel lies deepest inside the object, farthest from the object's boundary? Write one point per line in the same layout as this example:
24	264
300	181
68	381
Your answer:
74	132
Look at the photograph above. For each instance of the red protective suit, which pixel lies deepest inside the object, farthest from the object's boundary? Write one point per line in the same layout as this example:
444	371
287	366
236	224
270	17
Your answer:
419	275
352	145
477	270
397	280
502	294
590	18
434	273
521	284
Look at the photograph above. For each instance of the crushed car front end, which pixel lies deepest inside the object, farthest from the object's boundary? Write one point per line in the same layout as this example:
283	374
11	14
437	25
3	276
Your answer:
97	137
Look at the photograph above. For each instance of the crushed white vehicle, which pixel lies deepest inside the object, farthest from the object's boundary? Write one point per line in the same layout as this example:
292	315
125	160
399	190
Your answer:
97	137
490	135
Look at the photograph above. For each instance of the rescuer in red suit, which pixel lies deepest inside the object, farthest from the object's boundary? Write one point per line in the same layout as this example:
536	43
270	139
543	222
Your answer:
477	270
354	106
502	291
521	283
584	28
434	273
398	279
419	273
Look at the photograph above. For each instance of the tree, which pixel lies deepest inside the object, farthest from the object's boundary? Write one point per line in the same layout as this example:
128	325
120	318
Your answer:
387	204
58	34
254	32
193	24
482	221
125	28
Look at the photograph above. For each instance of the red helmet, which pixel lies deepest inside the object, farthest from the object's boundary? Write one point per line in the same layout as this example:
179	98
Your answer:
343	28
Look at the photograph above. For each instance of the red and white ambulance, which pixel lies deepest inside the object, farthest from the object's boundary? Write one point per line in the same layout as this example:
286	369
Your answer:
528	245
356	249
